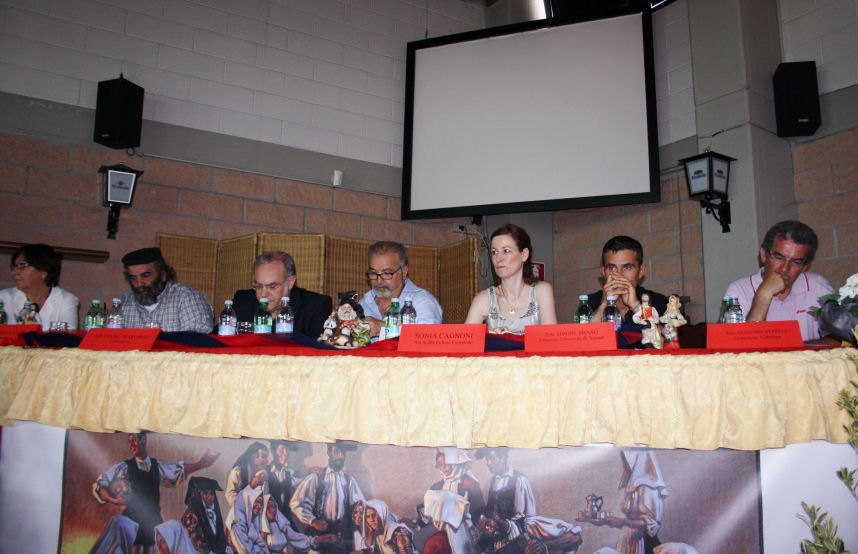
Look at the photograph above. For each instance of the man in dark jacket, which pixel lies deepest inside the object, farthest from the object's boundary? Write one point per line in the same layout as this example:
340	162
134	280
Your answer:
273	278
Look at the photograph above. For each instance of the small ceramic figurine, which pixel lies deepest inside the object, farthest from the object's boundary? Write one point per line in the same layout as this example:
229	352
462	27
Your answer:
648	316
672	319
346	327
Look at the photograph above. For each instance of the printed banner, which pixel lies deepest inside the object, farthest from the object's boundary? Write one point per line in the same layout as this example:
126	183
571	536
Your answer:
173	493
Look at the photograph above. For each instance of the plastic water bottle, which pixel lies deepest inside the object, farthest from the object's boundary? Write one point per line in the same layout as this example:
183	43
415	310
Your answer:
227	323
612	313
22	314
115	319
408	313
722	315
584	313
392	320
734	313
284	323
94	318
262	320
3	318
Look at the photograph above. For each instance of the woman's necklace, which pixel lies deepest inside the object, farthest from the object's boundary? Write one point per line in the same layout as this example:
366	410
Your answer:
509	300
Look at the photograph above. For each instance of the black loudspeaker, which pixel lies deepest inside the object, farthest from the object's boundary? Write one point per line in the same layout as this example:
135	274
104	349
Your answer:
796	99
118	113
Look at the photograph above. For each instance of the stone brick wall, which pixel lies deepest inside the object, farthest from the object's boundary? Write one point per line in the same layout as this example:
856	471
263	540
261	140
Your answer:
51	193
826	189
669	232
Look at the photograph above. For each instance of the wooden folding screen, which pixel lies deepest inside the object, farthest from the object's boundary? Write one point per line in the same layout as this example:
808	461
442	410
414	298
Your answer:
308	251
345	266
193	258
458	278
234	263
423	267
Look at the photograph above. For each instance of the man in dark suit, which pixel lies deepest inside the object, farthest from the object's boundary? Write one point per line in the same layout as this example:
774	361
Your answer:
274	277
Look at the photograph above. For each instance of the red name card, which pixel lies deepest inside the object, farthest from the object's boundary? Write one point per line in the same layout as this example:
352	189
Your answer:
446	338
759	334
570	337
10	335
119	340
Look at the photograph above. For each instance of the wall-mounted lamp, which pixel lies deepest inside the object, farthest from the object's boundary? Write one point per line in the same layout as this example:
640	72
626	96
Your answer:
708	176
118	181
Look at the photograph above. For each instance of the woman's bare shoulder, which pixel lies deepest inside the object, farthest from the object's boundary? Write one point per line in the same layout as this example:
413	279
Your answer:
544	286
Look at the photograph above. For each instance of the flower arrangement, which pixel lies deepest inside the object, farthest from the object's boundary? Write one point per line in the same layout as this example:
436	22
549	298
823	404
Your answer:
838	314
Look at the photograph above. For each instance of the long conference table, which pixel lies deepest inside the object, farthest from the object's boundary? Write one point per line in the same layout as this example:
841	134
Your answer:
273	387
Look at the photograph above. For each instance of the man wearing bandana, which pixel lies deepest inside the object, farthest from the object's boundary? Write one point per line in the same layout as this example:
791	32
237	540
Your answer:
156	300
323	502
202	520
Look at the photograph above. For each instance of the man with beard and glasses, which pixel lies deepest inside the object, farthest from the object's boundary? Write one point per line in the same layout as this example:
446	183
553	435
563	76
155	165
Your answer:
157	301
322	503
388	277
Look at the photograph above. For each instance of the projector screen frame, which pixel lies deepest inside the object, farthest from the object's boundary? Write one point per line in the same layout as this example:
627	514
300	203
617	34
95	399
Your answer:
653	194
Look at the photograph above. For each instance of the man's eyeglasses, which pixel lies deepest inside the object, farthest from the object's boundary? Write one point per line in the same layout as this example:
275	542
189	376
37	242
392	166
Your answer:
270	287
20	265
385	275
797	263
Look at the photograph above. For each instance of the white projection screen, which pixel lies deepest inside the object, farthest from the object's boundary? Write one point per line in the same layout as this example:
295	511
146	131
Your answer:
531	117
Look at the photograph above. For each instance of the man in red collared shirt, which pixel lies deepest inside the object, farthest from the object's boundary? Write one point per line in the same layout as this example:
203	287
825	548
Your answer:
783	289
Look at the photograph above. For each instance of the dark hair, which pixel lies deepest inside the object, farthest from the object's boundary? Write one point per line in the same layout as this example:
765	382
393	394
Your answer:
388	247
159	265
343	446
498	451
276	256
42	257
522	241
795	231
622	242
244	463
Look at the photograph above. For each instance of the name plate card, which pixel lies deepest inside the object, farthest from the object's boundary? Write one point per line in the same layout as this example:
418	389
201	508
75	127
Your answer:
119	340
758	334
10	335
570	337
445	338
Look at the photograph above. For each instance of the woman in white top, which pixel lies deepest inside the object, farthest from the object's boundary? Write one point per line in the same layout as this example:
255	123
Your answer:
518	298
36	271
